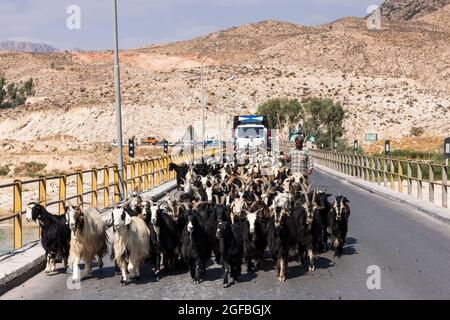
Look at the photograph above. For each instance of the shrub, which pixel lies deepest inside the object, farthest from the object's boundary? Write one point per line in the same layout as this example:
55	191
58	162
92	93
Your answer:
30	169
4	170
13	95
416	131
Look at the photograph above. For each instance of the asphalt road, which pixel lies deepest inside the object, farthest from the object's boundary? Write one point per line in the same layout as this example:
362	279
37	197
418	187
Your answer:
411	249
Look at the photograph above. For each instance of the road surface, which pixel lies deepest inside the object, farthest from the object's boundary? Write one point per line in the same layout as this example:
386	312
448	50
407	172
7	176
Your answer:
411	249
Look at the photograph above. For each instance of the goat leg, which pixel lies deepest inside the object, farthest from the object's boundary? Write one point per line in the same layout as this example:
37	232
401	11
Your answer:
197	271
137	276
235	272
47	266
157	266
192	270
76	270
312	267
336	246
52	263
257	263
123	280
100	262
65	261
250	266
341	246
226	268
283	263
278	267
87	267
131	270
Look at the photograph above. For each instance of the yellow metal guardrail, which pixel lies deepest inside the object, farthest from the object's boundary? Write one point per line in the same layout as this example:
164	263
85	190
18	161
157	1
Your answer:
140	175
391	173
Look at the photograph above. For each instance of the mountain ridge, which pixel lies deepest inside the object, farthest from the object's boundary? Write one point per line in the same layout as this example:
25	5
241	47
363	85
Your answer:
22	46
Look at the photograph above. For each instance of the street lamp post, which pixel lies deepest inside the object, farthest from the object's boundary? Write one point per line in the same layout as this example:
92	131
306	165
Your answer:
203	104
218	110
118	103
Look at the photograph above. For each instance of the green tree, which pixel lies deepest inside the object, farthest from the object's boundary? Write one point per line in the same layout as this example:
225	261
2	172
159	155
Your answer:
282	113
318	117
12	95
325	121
28	87
2	91
11	90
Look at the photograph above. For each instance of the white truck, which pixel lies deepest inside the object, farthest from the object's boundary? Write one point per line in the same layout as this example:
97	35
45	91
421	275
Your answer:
251	132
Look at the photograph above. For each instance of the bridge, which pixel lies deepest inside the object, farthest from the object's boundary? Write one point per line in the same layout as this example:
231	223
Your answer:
399	230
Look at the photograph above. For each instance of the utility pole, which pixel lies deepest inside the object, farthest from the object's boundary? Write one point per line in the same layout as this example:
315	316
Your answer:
118	103
203	104
218	110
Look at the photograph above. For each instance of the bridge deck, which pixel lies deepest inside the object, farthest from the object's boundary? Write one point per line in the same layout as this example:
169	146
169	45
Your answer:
412	250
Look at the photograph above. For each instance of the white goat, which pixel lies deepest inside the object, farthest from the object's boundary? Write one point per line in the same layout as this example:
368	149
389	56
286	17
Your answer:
88	239
131	243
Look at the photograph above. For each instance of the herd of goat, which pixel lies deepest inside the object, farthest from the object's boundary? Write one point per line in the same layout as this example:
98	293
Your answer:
235	212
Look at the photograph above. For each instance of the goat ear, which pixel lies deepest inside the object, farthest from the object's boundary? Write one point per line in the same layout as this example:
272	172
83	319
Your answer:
127	219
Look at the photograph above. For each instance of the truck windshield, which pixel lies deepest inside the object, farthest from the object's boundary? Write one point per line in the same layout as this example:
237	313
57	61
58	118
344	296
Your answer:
251	132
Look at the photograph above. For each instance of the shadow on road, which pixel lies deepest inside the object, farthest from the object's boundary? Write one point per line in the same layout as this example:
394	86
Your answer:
213	274
295	271
247	277
323	263
266	265
349	248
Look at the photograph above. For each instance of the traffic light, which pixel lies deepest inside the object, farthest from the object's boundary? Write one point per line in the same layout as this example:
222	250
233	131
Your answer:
387	148
131	148
166	147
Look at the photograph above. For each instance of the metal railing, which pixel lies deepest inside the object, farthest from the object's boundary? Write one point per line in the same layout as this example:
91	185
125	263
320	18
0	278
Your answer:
405	176
95	186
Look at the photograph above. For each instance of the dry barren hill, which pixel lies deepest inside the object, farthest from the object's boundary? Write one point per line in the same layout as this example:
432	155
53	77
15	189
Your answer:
388	80
410	9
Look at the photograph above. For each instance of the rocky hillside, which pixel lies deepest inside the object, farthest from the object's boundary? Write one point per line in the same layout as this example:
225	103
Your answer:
26	47
406	10
388	80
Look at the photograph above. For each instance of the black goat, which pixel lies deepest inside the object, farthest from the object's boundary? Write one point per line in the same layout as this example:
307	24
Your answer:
254	232
197	244
309	226
338	223
231	249
219	214
181	171
55	234
282	237
164	240
324	208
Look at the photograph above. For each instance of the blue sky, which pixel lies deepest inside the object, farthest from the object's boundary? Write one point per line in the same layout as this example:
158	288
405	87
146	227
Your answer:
143	22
